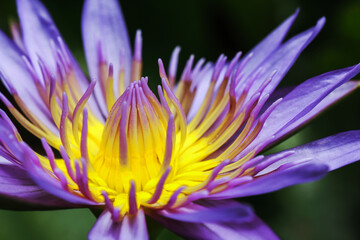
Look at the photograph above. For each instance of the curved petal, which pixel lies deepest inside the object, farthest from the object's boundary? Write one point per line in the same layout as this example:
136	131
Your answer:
15	184
39	33
280	178
105	35
254	229
262	50
283	58
211	211
334	151
305	102
132	227
330	99
42	40
21	154
258	54
47	182
15	76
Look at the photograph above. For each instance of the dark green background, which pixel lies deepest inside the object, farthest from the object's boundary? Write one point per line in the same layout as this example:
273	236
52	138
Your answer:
326	209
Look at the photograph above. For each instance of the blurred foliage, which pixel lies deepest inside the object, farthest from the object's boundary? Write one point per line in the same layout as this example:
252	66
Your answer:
326	209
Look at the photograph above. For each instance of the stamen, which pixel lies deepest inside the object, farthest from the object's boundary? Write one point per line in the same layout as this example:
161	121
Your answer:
123	154
116	215
261	166
67	162
40	88
162	71
21	119
159	187
49	154
121	76
220	63
53	104
209	94
108	203
210	178
63	125
217	183
62	178
84	133
186	75
179	111
82	178
170	143
216	171
79	108
136	68
193	197
115	212
153	101
184	80
197	69
163	101
45	77
132	199
232	65
109	86
28	113
174	197
173	66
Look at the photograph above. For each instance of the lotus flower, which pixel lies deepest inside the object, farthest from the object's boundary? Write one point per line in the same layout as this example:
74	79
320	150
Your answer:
110	144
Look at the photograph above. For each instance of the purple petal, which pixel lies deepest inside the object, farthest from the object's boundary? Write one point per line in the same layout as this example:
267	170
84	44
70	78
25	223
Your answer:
16	76
104	29
47	182
15	184
330	99
334	151
41	36
254	229
268	45
282	177
204	83
134	227
259	54
283	58
278	93
105	228
38	31
212	211
305	102
131	227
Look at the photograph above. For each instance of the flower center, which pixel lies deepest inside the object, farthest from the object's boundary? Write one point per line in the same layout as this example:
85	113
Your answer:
133	145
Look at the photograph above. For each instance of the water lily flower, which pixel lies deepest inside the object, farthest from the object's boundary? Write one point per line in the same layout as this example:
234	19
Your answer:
180	155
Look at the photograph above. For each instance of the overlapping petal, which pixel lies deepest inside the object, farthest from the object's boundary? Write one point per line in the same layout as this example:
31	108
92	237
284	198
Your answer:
334	151
105	39
43	41
210	212
16	184
283	58
16	75
253	228
282	177
268	45
131	227
304	163
306	101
